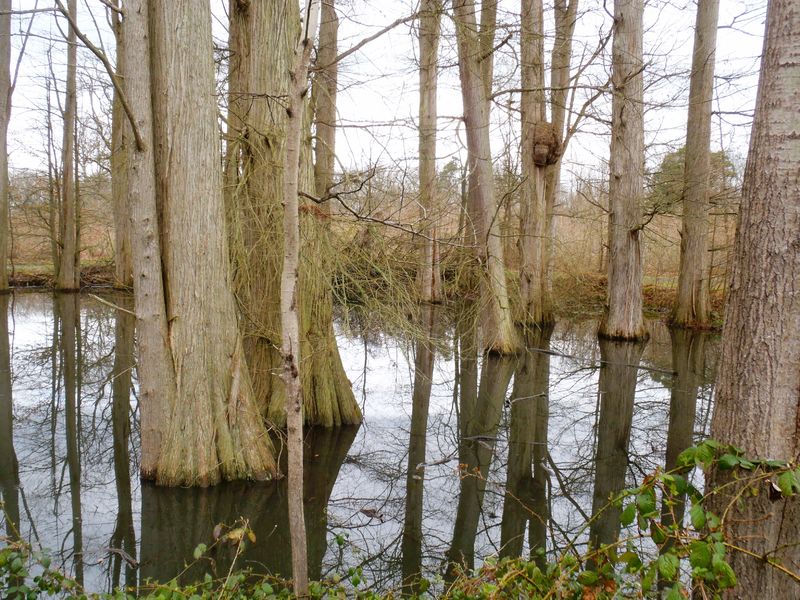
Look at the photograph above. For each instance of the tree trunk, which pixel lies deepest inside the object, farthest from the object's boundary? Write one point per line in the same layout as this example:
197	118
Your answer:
264	33
623	316
200	422
533	211
290	318
566	15
323	98
692	304
429	276
758	391
5	117
498	334
68	271
123	269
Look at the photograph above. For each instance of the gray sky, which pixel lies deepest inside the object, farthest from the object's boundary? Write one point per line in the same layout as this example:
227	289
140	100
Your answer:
378	102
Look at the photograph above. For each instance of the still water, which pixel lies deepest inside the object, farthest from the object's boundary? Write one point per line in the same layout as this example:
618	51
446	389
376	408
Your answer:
459	457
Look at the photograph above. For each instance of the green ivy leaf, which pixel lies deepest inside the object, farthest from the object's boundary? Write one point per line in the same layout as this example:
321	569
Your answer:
668	566
723	571
687	457
728	461
646	501
704	454
699	555
199	551
588	578
698	516
788	483
675	593
628	515
657	532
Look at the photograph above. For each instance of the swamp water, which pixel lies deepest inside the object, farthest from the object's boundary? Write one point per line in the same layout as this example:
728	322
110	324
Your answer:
459	458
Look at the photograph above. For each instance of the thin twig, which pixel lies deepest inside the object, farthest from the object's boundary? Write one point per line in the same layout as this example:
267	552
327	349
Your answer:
111	73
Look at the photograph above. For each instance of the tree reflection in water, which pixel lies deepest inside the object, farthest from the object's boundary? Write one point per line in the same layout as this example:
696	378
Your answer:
527	478
532	471
176	520
9	468
616	390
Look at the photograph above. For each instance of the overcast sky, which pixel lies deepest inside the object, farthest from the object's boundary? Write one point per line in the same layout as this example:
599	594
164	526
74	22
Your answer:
378	101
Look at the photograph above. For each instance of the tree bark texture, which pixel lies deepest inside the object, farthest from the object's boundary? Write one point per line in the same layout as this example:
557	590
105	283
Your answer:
323	98
623	316
565	15
5	117
757	405
692	303
68	269
758	391
290	317
533	210
429	276
263	35
123	268
200	421
498	334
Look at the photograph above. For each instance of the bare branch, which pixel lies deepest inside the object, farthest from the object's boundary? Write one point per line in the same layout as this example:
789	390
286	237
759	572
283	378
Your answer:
367	40
109	69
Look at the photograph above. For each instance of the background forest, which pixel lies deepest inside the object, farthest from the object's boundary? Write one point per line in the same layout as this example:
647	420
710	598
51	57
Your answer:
253	179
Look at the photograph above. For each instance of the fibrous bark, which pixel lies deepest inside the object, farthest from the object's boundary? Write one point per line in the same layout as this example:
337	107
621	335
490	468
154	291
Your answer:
429	274
758	392
123	269
5	116
565	15
200	421
68	268
757	403
262	40
475	70
323	99
692	303
623	316
533	209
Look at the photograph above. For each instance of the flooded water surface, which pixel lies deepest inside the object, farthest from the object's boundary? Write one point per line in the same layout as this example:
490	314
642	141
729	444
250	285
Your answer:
459	458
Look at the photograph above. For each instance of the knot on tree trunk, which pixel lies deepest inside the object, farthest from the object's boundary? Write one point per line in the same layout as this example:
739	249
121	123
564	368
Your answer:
546	147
